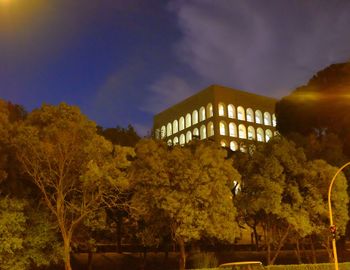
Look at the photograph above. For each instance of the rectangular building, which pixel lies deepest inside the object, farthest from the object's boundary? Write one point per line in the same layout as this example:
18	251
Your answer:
231	117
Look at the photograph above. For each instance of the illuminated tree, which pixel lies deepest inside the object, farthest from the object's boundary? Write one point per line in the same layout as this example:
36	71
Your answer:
77	171
184	192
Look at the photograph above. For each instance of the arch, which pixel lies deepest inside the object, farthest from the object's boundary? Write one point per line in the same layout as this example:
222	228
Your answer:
267	118
243	148
162	132
188	136
231	111
251	133
240	113
260	135
274	121
176	140
203	132
210	129
194	117
250	115
242	132
175	126
209	110
182	139
169	130
233	146
221	109
188	120
182	123
196	132
223	143
258	117
201	114
268	135
223	128
232	129
157	133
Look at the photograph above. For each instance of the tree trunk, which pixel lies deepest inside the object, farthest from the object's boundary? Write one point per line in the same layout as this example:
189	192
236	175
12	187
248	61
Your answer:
182	260
90	256
119	232
314	257
298	252
66	254
256	239
280	245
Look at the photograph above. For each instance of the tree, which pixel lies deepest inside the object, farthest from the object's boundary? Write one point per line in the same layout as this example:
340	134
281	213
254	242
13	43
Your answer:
286	195
76	171
270	196
320	107
184	192
120	136
27	236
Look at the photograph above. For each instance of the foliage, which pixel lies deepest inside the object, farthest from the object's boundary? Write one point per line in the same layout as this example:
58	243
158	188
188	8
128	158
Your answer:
120	136
184	192
287	195
27	238
320	107
77	171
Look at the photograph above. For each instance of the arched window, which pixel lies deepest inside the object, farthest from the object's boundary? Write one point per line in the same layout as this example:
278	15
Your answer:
250	115
232	130
221	109
162	132
242	131
188	120
157	133
251	133
170	143
182	139
267	119
188	136
274	122
194	117
203	132
243	148
233	146
169	130
182	123
268	135
210	129
260	134
258	117
240	113
223	128
175	140
223	143
196	132
231	111
209	110
175	126
202	114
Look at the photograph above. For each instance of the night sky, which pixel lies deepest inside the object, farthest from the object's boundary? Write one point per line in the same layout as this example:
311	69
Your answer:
122	61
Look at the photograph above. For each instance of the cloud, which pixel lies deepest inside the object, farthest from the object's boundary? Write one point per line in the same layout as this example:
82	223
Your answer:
165	92
268	47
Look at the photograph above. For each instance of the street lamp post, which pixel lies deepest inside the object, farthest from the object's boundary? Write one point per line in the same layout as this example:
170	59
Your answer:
332	226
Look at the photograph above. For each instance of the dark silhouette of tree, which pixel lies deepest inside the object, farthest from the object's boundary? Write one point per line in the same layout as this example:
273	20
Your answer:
321	107
119	135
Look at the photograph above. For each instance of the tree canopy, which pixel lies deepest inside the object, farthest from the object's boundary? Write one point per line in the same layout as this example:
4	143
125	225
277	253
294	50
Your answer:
184	191
322	106
76	170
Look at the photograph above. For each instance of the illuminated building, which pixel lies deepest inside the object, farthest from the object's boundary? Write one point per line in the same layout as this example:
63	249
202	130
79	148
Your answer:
233	118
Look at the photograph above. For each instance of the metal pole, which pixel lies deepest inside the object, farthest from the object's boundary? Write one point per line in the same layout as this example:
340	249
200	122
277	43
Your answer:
331	215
